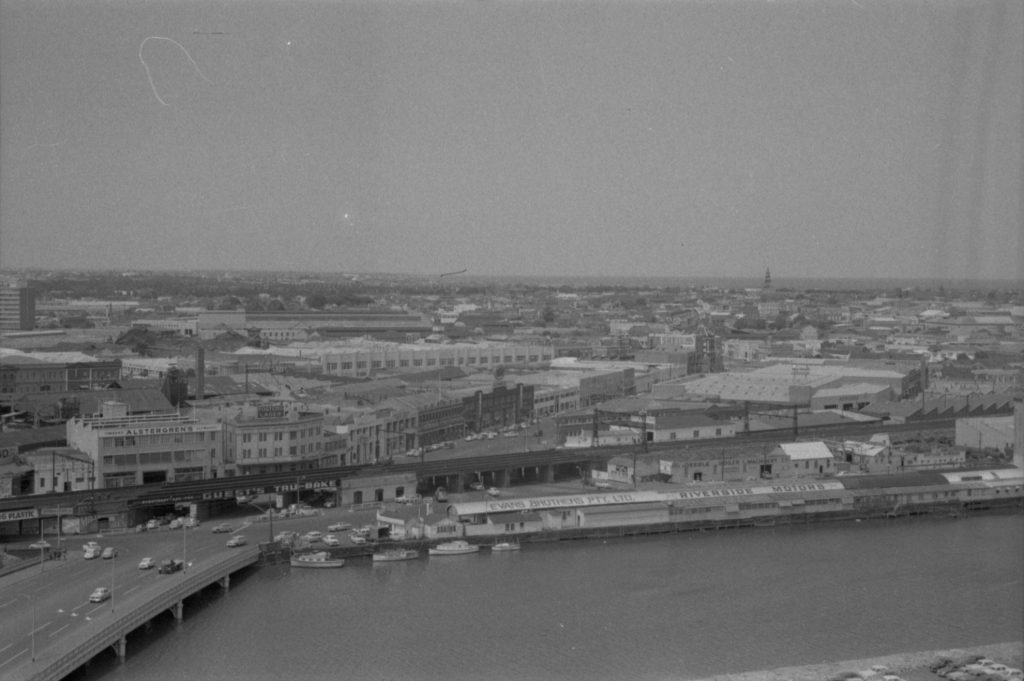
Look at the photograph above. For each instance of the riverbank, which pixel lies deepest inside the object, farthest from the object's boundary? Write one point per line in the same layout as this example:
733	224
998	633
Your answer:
908	666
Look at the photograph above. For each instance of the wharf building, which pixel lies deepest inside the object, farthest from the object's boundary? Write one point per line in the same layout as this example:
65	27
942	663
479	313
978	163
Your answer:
723	505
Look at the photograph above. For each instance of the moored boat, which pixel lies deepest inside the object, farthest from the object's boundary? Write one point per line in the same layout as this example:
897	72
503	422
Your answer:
505	546
318	559
453	548
395	554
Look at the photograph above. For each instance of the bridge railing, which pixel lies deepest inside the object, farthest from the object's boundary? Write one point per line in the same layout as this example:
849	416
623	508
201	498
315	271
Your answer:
84	645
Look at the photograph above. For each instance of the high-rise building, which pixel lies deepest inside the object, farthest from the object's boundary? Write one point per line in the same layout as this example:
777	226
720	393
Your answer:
17	307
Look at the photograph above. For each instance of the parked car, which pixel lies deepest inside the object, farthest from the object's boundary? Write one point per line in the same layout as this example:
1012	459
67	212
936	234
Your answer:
170	565
147	563
222	528
493	492
92	552
339	527
313	535
476	485
152	524
101	594
286	537
191	522
90	546
331	540
109	552
237	540
357	538
176	523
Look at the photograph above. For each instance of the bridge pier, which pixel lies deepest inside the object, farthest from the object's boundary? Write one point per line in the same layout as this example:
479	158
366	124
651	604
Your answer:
121	647
225	582
501	478
461	482
547	473
178	609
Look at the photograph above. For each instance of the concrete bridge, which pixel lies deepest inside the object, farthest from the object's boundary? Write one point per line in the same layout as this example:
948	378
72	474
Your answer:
63	657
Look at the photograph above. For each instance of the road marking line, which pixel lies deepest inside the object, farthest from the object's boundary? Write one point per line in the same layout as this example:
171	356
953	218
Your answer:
6	647
4	605
131	589
7	662
41	627
60	630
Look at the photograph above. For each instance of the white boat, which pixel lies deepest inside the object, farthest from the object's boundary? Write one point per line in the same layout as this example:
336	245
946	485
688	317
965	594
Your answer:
395	554
318	559
453	548
505	546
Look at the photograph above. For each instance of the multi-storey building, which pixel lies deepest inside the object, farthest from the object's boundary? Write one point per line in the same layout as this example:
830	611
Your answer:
128	449
275	438
17	308
498	407
380	436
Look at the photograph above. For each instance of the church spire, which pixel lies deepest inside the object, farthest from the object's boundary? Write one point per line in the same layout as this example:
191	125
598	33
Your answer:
767	278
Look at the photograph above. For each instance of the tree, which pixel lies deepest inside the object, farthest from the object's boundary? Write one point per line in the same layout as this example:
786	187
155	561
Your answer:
316	301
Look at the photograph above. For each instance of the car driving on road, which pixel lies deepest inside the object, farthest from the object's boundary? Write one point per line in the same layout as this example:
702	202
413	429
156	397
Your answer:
237	540
99	595
147	563
109	552
222	528
170	565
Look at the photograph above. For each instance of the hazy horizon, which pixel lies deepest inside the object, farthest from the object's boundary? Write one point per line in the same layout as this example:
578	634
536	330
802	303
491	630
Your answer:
849	139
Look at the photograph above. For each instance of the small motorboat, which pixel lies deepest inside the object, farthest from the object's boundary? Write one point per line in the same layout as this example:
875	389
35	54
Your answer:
317	559
453	548
505	546
395	554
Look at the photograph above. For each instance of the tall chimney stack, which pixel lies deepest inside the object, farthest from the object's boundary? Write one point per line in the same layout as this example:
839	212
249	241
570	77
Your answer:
200	373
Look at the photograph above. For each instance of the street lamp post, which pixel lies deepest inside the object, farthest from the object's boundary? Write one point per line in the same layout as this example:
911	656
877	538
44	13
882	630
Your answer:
270	517
113	560
184	547
42	545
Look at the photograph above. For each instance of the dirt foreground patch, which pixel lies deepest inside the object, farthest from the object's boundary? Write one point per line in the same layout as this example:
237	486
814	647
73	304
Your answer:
908	666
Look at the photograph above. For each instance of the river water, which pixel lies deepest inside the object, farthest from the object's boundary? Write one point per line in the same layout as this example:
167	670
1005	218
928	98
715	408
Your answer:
674	606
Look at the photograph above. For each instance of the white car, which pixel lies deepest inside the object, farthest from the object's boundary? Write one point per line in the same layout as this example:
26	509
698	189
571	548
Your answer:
331	540
339	527
237	540
99	595
493	492
152	524
147	563
313	535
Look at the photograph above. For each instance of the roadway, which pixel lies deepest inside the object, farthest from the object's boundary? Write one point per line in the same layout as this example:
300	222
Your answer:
51	600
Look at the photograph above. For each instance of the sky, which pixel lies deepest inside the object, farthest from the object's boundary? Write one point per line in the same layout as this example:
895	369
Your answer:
833	138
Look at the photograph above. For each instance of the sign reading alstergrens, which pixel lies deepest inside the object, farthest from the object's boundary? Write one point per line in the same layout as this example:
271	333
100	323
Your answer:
163	430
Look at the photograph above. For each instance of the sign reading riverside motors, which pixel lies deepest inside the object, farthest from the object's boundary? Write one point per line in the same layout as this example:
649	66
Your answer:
163	430
578	500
